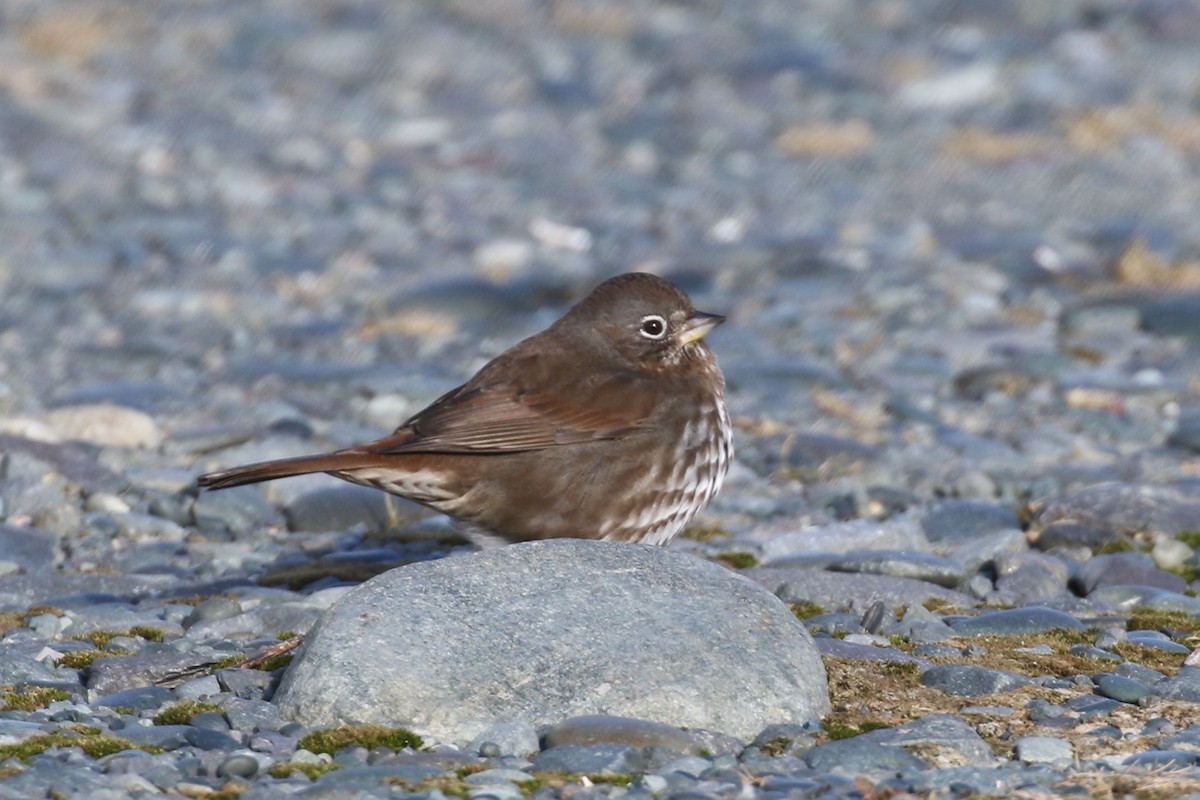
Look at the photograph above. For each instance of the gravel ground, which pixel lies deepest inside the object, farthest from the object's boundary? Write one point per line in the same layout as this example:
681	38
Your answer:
959	248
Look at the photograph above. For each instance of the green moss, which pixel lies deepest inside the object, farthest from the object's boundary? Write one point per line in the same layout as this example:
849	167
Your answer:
149	634
100	639
331	740
901	669
1170	622
1113	546
1069	637
228	662
96	746
82	659
183	713
738	560
839	730
701	533
807	609
100	746
1185	571
31	698
10	620
776	747
310	771
1148	656
1190	538
283	636
275	662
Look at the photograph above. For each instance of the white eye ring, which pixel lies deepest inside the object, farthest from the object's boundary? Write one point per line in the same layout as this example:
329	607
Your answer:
653	327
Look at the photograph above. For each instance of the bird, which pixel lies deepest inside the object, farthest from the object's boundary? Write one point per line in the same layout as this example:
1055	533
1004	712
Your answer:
610	424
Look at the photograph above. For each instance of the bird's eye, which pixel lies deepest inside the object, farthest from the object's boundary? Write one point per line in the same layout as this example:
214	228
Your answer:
653	327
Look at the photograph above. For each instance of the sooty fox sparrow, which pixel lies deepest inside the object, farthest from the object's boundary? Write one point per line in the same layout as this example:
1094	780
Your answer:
610	424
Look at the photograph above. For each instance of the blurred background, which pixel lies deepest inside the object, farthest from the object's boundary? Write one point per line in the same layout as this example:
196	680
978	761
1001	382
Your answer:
957	240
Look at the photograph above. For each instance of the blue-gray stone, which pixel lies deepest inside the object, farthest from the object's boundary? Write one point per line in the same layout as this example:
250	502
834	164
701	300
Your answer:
860	755
33	549
1091	706
239	765
603	759
960	520
1016	621
893	749
902	564
512	737
1118	687
968	681
1143	639
206	739
143	698
168	737
1091	651
834	622
1124	569
410	644
1183	686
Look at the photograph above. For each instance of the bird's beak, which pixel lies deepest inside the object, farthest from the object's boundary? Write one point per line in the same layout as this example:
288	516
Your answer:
699	326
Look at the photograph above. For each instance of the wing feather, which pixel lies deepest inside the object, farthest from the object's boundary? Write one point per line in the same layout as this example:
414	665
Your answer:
499	418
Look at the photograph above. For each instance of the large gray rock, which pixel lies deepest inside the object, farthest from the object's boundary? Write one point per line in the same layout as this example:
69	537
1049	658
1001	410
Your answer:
549	630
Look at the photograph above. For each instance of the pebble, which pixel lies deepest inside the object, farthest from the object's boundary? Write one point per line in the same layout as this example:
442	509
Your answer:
1043	750
1034	619
962	520
967	681
1119	687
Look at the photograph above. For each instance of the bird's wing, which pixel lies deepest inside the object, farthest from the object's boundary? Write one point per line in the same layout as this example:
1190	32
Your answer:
500	418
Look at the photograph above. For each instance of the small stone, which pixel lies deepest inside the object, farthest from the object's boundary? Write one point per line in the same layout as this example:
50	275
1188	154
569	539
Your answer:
902	564
30	549
1170	553
967	681
213	608
239	765
142	698
1146	639
1044	750
1124	569
603	759
205	739
512	737
1118	687
962	520
1017	621
1183	686
104	424
600	728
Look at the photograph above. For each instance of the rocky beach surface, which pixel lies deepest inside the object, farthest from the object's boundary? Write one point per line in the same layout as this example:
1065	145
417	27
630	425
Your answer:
959	249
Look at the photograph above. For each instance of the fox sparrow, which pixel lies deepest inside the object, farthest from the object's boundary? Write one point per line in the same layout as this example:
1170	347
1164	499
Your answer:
610	424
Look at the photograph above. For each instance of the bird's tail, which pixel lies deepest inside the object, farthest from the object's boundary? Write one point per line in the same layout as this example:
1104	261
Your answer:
286	468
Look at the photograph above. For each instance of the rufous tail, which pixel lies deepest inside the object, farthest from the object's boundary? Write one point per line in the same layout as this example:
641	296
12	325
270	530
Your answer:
285	468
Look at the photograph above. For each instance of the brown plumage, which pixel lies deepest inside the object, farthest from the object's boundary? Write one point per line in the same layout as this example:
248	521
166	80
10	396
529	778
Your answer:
609	424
